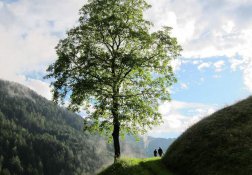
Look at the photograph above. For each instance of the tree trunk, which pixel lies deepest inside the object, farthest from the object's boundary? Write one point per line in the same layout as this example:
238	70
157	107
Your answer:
116	123
116	140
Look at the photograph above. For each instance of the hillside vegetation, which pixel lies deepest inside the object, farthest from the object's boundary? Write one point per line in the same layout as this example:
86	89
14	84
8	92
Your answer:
130	166
38	137
220	144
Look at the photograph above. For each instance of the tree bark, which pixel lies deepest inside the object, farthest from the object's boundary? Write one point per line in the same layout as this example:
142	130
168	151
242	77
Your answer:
116	123
116	140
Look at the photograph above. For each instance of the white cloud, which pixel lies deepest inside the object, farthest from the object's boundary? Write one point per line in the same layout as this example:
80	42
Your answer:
175	64
175	119
204	65
196	62
248	73
1	4
162	14
41	87
184	86
219	65
216	76
213	28
228	27
235	63
29	32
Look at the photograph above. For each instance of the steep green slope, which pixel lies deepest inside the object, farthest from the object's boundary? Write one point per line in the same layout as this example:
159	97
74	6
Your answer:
126	166
220	144
38	137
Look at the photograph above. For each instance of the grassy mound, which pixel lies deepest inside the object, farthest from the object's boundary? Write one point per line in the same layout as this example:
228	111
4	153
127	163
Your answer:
220	144
149	166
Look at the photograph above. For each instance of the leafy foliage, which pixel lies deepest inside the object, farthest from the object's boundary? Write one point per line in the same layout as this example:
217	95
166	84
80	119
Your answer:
111	63
219	144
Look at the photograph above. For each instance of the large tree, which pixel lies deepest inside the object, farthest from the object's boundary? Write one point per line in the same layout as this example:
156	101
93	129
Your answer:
114	67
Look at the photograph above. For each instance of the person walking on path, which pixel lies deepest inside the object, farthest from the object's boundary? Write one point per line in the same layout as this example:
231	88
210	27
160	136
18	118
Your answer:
155	153
160	152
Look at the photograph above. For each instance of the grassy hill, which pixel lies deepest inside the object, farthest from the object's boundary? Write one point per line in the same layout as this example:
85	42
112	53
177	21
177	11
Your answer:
220	144
131	166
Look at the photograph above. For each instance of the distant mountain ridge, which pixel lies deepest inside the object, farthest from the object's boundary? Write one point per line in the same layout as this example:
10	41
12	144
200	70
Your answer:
155	143
39	137
144	147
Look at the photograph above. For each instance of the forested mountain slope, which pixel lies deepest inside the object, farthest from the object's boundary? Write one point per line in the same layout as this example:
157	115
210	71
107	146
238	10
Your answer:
38	137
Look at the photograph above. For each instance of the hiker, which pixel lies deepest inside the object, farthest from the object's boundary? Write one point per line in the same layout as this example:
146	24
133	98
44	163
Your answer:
155	153
160	152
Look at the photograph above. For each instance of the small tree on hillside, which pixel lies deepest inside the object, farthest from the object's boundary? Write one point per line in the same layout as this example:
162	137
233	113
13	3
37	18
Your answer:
111	65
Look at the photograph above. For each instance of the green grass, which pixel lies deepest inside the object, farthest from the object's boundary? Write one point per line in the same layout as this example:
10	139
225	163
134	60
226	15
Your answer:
133	166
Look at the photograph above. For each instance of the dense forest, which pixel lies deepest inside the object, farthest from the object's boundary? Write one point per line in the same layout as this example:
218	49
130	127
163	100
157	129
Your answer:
38	137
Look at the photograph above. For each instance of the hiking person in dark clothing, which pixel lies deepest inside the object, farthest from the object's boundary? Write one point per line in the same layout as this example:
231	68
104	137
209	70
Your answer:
155	153
160	152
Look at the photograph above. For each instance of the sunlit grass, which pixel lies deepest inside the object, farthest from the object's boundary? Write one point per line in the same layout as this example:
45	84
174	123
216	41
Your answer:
135	166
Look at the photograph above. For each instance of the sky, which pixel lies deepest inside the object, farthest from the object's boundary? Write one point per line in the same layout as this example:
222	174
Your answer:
213	71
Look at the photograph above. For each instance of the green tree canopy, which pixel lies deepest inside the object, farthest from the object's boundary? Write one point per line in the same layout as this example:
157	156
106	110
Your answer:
114	67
